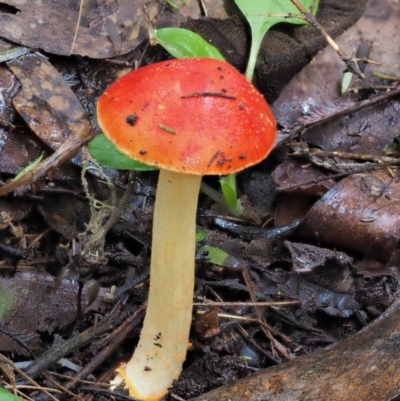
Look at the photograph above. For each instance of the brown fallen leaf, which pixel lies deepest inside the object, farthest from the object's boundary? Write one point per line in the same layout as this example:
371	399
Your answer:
89	28
363	367
37	306
45	101
51	110
361	213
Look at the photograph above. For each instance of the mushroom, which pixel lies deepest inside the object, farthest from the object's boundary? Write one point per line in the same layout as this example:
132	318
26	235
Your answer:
188	117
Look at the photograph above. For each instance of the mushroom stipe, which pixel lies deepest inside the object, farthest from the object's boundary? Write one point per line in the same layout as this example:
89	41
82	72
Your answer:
214	131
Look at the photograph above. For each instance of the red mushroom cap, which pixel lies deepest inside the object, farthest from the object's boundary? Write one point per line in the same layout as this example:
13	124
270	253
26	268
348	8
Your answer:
197	116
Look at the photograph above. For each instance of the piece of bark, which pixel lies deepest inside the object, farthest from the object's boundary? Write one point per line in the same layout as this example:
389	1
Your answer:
365	366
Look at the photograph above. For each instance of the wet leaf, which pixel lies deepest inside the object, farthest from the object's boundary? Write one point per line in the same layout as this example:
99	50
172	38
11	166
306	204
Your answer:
45	101
38	306
105	152
18	149
72	27
8	87
361	213
51	110
306	258
207	323
64	214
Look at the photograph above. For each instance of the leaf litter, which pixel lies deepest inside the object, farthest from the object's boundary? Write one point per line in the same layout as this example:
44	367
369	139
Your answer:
336	291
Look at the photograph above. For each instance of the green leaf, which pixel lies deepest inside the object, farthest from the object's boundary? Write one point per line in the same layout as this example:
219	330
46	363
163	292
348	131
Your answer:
7	396
182	43
262	15
217	256
105	152
201	234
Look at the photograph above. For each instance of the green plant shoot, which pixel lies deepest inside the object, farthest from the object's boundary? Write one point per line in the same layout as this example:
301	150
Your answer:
228	186
29	167
263	14
173	5
182	43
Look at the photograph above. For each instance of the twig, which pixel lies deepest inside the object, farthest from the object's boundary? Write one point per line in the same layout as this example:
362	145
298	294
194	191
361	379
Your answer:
117	337
266	328
351	62
176	397
63	389
333	176
249	339
239	304
26	376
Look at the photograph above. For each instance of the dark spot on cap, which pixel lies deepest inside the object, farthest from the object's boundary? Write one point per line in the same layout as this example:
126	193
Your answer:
142	151
131	119
241	106
223	90
242	156
219	68
221	77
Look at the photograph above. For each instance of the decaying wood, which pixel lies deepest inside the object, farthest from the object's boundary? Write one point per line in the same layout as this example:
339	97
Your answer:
365	366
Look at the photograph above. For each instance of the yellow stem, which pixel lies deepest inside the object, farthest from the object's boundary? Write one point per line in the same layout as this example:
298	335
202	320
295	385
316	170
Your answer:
158	358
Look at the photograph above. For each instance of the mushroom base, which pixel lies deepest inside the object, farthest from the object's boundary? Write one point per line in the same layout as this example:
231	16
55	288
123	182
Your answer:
158	358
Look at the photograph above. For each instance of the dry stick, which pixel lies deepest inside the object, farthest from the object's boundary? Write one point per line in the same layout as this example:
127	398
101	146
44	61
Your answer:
351	62
353	109
61	347
176	397
379	159
26	376
62	389
365	366
239	304
300	130
21	394
333	176
118	336
113	395
89	382
268	333
254	343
